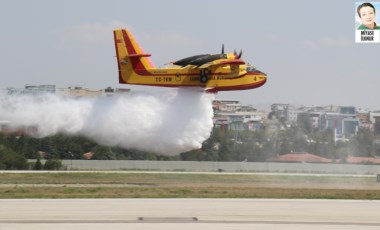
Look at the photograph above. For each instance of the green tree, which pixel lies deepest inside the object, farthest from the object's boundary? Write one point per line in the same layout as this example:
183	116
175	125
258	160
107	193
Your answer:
362	144
38	165
11	160
305	123
323	144
132	154
343	150
103	153
226	145
209	151
193	155
53	164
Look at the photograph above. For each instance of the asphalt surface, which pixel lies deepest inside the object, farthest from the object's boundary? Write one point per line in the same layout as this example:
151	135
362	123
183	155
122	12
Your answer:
94	214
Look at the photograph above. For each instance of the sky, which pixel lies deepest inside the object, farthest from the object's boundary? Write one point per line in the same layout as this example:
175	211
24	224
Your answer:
307	48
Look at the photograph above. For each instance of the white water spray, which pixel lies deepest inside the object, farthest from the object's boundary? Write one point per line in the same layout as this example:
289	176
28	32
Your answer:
168	123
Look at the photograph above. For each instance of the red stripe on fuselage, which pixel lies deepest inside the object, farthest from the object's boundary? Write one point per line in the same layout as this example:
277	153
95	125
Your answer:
148	74
215	89
237	87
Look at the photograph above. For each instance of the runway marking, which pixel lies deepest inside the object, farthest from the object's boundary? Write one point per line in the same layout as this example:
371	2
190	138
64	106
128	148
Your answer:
185	220
168	219
191	172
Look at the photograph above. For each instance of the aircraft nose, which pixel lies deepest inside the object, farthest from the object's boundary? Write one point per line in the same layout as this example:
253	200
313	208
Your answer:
262	76
261	73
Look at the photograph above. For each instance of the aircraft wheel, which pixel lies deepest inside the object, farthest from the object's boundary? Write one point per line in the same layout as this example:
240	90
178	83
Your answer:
203	76
204	79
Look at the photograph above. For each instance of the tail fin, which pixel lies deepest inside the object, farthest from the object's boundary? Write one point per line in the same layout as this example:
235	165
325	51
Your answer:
130	56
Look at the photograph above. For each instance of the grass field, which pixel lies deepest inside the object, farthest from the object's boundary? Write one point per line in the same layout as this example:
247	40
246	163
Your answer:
186	185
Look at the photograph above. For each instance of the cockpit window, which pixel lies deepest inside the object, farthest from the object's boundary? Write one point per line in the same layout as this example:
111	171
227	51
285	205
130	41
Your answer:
250	69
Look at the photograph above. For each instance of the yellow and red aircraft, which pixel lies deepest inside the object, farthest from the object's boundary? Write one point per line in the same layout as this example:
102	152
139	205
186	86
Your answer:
214	72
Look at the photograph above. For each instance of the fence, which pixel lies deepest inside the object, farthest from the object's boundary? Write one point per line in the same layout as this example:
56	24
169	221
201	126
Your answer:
207	166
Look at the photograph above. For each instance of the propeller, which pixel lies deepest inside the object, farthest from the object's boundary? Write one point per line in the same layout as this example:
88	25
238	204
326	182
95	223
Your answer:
238	56
222	48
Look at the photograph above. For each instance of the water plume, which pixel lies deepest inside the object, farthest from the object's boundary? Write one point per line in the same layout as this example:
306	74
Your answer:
166	123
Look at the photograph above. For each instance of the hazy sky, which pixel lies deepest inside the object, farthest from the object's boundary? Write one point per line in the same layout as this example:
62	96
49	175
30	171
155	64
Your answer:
307	48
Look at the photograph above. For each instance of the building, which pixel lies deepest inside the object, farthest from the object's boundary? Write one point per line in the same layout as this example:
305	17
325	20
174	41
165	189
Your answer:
280	111
374	118
231	115
78	91
344	123
364	119
32	90
342	119
6	127
226	105
376	126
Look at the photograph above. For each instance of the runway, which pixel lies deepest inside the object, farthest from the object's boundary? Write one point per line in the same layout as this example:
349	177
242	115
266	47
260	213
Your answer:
186	214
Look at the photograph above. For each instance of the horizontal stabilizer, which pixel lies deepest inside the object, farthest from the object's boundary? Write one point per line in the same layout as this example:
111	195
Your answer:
138	55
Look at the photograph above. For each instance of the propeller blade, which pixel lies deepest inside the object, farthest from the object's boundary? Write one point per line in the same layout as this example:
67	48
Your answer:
240	53
222	48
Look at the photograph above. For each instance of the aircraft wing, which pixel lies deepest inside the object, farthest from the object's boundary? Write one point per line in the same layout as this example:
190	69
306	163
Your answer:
226	62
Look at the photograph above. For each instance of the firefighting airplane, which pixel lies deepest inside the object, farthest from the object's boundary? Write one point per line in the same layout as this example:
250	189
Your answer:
213	72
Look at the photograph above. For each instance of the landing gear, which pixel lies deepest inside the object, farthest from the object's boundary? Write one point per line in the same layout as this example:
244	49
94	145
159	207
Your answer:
203	78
